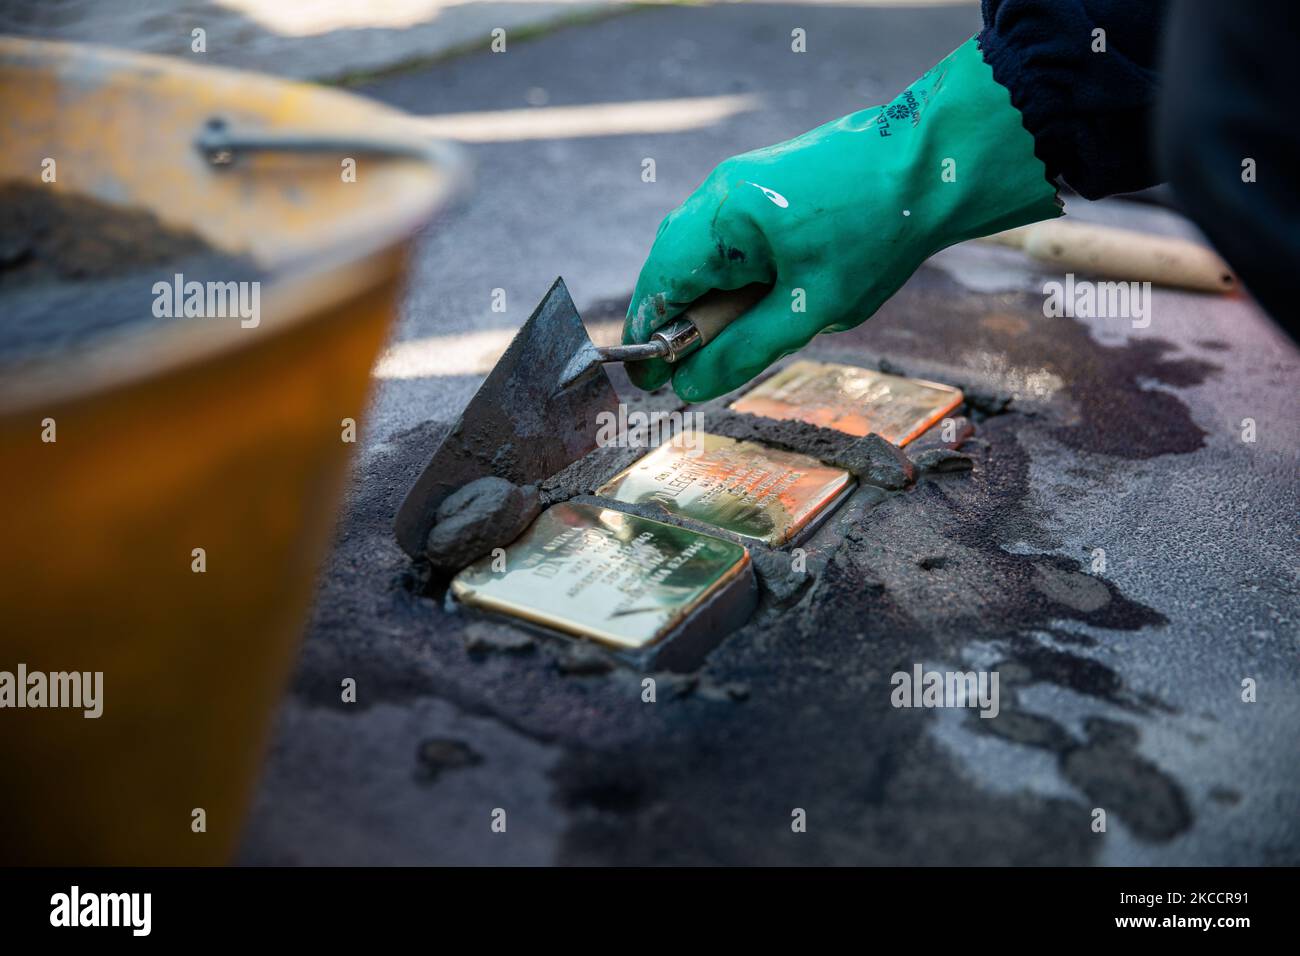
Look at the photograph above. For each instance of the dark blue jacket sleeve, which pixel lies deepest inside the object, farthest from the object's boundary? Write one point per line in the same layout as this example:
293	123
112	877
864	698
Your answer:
1091	110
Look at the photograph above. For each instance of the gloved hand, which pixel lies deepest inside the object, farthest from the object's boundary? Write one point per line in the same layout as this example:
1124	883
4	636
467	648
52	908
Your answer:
837	219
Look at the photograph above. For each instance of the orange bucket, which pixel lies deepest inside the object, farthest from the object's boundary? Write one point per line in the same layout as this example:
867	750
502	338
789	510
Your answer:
174	436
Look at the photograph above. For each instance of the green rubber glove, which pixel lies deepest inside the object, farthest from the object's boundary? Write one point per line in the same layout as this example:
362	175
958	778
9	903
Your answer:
837	219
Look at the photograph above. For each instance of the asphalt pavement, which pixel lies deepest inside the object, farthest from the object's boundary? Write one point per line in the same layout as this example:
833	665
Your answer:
1123	681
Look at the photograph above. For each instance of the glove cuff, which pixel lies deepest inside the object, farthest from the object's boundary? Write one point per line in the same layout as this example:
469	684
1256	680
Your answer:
972	157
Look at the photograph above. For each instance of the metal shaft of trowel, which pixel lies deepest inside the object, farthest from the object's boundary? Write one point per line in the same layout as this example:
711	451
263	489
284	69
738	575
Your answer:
695	327
672	343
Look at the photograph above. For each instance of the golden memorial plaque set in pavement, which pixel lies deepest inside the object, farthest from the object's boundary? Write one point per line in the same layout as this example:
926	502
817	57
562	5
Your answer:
743	487
853	400
620	579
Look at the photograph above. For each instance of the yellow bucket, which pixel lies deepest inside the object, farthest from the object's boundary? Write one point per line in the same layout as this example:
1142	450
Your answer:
180	435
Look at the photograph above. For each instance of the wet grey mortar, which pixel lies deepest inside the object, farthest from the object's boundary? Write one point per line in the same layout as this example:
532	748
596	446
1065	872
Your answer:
484	514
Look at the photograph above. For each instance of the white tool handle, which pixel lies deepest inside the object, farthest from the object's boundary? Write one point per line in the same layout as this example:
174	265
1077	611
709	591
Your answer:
1123	254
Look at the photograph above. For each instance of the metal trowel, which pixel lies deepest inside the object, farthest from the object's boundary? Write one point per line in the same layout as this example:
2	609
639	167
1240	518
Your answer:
698	325
539	409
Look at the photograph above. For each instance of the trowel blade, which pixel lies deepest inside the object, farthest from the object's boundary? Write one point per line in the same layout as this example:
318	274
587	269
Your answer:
525	422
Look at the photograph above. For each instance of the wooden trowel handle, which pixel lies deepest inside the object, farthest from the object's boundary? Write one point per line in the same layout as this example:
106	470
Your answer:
706	317
714	311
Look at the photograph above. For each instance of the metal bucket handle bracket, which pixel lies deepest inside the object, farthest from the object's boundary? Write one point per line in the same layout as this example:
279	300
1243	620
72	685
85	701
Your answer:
221	145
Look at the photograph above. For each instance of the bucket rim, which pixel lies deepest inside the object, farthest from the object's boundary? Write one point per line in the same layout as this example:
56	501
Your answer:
293	292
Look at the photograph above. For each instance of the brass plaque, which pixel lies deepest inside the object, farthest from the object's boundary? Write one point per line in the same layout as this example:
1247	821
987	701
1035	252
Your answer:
743	487
599	573
853	400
